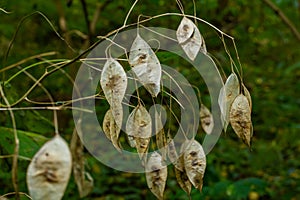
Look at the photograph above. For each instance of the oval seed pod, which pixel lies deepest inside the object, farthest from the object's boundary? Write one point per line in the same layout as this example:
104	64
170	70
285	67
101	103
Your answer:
247	95
146	65
189	38
111	129
228	93
139	127
106	124
113	81
206	119
240	118
185	30
83	179
182	178
195	163
156	175
172	153
49	171
180	161
161	140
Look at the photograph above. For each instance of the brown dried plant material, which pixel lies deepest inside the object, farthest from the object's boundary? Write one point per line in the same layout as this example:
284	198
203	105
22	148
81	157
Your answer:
247	95
240	118
206	119
228	93
146	65
189	37
111	129
106	124
131	141
180	161
49	171
185	30
203	46
181	176
139	128
113	81
195	163
161	140
171	150
83	179
156	175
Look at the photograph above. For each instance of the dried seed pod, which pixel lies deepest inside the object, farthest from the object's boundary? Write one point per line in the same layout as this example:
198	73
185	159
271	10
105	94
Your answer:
106	124
206	119
131	141
203	46
247	95
111	129
142	145
227	95
83	179
49	171
161	140
172	154
138	126
156	175
185	30
146	65
180	161
195	163
240	118
113	81
189	37
182	178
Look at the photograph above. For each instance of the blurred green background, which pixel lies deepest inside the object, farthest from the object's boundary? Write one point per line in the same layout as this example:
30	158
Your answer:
270	56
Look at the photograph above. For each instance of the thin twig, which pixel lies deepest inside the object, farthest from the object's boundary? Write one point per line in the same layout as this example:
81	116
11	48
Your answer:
47	108
283	17
129	12
27	59
55	121
86	18
16	193
6	12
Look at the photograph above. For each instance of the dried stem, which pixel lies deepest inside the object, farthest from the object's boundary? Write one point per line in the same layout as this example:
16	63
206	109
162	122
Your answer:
16	149
55	121
283	17
28	59
6	12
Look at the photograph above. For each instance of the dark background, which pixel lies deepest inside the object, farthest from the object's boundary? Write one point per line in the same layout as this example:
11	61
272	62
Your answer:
270	57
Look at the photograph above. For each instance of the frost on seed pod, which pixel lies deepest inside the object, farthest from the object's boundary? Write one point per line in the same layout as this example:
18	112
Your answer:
111	129
189	38
138	128
156	175
195	163
49	171
206	119
146	65
240	118
227	95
